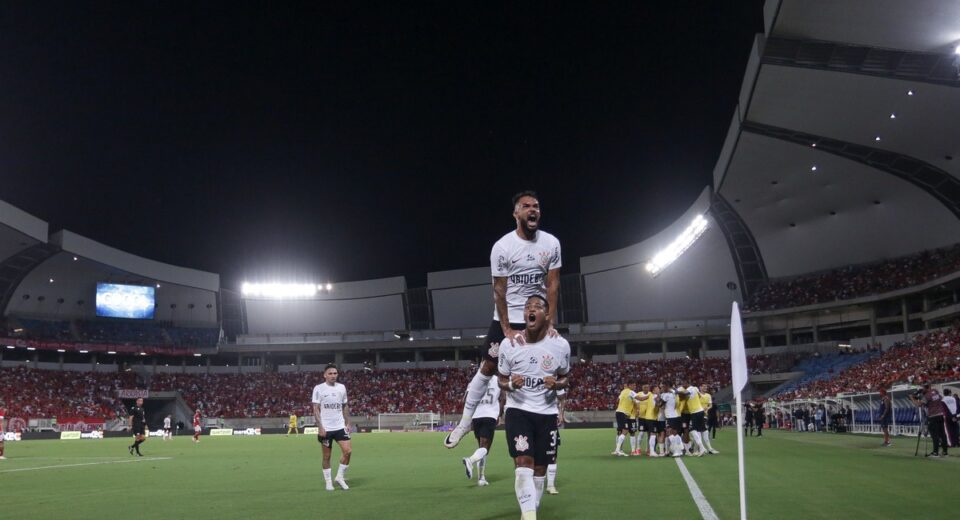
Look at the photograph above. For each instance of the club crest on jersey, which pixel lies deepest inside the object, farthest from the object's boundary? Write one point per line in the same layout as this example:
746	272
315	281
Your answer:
494	350
544	258
547	362
521	443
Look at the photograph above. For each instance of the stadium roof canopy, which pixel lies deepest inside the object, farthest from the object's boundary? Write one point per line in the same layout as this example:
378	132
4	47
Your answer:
843	148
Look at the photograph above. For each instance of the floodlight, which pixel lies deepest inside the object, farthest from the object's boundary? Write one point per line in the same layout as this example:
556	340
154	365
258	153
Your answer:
329	286
279	290
676	248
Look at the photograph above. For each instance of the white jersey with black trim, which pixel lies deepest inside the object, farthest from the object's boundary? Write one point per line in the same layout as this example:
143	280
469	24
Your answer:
669	404
330	399
166	422
489	406
525	264
535	361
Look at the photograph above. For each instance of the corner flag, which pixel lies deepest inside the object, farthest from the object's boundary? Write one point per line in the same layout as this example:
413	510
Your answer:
738	367
738	355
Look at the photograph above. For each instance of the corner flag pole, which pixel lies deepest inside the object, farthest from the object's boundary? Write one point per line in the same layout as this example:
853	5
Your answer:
738	365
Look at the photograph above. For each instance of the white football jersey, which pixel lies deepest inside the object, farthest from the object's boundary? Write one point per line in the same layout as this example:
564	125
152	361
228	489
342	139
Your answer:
166	422
535	361
525	264
669	404
489	405
330	400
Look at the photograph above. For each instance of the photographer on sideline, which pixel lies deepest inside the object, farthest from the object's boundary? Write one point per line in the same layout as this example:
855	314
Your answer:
936	417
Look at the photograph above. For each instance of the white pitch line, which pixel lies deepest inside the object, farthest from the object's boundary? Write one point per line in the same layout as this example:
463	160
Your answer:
706	511
85	464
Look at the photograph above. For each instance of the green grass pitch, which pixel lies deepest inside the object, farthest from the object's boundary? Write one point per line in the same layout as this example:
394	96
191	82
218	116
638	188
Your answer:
410	475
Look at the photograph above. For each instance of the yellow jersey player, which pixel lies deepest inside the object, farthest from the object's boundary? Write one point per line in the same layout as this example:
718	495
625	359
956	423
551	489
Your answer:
706	400
626	416
697	423
645	402
293	425
649	417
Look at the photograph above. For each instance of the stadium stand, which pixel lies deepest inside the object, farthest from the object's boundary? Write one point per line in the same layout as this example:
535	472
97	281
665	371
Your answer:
55	393
929	358
856	280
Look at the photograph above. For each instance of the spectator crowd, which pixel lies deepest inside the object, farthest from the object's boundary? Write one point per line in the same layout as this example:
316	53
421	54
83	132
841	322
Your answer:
856	280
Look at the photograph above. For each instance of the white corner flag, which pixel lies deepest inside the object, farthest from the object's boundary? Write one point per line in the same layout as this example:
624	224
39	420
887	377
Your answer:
738	367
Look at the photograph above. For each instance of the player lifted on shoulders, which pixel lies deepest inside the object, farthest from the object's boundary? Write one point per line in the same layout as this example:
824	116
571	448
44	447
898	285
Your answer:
524	262
330	411
488	414
531	372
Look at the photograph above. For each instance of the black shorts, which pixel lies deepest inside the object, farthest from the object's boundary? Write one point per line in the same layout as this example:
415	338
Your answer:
661	426
685	419
698	422
139	429
650	426
167	430
483	428
335	435
493	339
624	422
675	423
532	435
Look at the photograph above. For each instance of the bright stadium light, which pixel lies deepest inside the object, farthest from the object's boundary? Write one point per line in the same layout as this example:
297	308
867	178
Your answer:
329	286
676	248
279	290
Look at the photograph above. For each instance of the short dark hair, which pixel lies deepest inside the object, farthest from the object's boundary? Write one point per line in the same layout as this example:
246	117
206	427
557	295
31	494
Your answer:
522	194
544	300
947	391
331	365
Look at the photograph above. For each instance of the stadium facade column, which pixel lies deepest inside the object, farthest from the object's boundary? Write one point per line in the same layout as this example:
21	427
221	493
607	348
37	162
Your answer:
417	358
183	364
663	348
704	347
209	361
456	358
338	358
789	336
621	351
873	325
93	362
60	361
299	360
154	371
816	333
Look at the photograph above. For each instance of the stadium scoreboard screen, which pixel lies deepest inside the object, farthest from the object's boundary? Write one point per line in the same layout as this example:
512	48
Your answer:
125	301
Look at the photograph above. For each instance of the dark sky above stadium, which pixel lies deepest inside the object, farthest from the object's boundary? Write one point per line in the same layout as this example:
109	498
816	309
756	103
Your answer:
342	142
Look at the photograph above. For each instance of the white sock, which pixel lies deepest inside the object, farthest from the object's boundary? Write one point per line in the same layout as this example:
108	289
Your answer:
551	475
482	468
342	470
633	444
686	446
653	444
706	440
619	442
475	392
326	474
538	484
697	438
478	455
526	490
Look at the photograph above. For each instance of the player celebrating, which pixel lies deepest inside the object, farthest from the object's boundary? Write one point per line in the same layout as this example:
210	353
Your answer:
293	425
167	429
3	432
644	403
552	466
137	422
674	421
330	411
698	420
531	372
706	401
484	424
524	262
197	429
626	413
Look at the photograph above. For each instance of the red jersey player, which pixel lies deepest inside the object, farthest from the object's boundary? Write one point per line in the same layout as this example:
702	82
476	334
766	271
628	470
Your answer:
196	426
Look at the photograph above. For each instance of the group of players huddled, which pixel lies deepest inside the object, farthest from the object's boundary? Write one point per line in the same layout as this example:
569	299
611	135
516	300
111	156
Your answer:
675	420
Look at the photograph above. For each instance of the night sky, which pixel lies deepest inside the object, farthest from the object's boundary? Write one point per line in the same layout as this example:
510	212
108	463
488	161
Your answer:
341	142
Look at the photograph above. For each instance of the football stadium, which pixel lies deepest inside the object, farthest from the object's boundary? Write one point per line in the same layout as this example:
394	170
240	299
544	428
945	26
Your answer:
133	386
